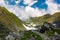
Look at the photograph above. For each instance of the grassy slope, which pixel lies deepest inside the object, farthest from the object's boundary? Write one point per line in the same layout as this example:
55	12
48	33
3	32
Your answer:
10	20
47	17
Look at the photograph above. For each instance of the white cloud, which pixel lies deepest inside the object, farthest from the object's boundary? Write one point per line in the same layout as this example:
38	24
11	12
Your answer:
34	12
1	1
52	7
17	2
30	2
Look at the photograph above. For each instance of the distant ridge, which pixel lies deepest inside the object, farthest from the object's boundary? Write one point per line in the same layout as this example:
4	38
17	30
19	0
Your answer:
47	17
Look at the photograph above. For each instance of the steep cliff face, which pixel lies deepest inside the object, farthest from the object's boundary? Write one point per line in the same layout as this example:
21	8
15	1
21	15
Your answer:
10	20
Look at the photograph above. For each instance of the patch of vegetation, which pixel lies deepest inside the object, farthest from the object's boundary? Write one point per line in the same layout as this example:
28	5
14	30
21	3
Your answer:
57	30
50	33
29	34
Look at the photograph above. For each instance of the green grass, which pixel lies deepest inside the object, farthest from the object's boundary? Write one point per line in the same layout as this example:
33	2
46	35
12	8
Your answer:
30	34
50	33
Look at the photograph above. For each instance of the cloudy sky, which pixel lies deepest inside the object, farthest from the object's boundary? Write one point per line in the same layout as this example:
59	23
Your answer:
24	9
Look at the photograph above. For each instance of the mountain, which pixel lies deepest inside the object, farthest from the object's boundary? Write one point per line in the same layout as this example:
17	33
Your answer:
55	17
48	18
9	20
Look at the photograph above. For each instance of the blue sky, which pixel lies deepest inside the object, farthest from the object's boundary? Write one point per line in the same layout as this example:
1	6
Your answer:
57	1
40	4
24	9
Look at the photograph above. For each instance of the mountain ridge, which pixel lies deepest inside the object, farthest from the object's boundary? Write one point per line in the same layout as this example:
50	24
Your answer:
48	18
